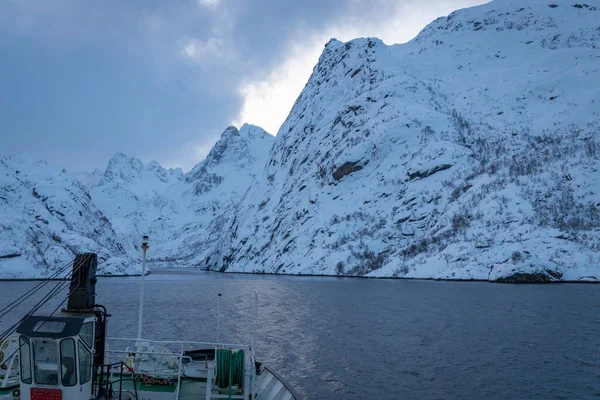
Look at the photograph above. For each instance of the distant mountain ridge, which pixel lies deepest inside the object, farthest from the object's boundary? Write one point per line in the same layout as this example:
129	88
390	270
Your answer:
182	213
49	214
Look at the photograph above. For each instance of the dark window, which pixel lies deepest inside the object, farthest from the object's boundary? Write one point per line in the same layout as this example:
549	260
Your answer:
49	326
45	361
87	334
67	362
25	359
85	363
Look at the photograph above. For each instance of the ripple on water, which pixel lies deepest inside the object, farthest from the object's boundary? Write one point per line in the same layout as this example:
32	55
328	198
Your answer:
366	339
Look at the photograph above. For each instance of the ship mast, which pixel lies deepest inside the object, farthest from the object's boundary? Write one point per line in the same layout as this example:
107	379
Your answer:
145	246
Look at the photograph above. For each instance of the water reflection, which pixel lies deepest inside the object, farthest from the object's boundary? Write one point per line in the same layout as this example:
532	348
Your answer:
364	339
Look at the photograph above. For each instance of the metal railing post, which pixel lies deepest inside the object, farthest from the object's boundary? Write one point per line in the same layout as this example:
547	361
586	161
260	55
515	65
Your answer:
179	374
255	322
209	378
121	382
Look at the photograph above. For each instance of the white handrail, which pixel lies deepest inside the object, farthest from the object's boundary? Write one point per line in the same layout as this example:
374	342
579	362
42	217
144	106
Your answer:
255	322
179	373
234	345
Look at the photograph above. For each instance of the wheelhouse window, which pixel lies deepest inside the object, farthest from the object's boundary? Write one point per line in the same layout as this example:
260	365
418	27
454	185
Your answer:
87	334
85	363
67	362
47	326
45	361
25	359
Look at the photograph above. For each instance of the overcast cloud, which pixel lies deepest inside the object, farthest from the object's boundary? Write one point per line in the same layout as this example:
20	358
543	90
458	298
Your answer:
161	80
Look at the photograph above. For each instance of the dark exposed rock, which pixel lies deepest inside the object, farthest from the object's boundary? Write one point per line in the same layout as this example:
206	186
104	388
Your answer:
429	172
346	169
547	276
12	255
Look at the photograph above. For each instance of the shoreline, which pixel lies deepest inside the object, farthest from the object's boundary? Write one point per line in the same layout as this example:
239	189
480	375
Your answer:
65	279
593	282
402	278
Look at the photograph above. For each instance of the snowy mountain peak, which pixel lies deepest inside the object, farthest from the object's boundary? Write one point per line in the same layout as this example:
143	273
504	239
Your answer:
236	149
230	131
126	170
253	132
551	24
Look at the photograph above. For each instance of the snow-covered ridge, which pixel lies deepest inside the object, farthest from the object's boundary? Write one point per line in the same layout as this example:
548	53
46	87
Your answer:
182	213
46	217
467	153
47	214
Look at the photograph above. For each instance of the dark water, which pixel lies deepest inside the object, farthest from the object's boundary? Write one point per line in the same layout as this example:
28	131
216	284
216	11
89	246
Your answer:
380	339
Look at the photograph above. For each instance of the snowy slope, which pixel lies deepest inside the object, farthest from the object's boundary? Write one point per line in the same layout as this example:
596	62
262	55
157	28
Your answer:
182	214
126	188
46	217
471	152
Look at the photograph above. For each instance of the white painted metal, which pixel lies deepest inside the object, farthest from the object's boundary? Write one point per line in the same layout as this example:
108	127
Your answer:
141	311
179	373
209	381
67	392
9	350
247	385
185	342
270	387
8	375
254	322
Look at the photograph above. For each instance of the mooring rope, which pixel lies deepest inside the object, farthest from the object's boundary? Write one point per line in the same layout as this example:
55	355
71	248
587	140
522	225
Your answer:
230	368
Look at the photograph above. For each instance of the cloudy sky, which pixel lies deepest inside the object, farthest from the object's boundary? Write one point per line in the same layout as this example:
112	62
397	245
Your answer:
160	80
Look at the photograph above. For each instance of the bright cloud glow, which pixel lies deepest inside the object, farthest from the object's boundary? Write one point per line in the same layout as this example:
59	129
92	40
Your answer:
267	103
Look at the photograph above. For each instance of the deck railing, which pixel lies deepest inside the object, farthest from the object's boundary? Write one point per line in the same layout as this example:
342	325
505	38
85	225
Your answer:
103	385
172	362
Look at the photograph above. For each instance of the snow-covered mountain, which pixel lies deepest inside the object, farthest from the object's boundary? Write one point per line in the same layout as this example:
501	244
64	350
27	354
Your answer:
46	217
471	152
182	213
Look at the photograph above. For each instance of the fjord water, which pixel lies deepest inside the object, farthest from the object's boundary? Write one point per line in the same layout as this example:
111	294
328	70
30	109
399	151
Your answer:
342	338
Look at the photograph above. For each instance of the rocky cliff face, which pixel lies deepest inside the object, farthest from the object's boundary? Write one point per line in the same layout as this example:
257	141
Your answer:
471	152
